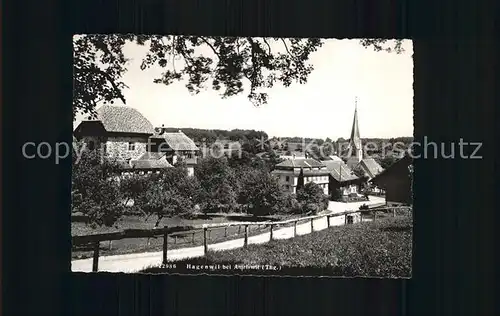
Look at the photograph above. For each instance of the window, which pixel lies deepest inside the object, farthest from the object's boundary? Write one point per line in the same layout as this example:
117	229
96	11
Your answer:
189	155
287	178
131	146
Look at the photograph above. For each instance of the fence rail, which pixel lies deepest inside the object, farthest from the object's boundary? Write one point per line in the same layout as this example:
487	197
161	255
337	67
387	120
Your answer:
95	239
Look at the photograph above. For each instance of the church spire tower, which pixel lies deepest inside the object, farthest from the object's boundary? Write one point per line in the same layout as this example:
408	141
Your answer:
355	147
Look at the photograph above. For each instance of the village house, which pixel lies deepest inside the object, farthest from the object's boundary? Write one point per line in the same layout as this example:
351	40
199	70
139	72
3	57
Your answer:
175	147
288	172
396	181
124	134
341	177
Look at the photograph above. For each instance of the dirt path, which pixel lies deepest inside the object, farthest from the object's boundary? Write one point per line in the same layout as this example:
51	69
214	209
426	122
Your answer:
135	262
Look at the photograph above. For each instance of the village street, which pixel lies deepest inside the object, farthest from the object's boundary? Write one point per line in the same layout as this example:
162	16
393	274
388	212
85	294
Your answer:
139	261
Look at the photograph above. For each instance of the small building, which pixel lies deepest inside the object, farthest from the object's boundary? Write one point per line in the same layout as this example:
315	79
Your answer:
288	172
175	147
341	177
121	132
396	181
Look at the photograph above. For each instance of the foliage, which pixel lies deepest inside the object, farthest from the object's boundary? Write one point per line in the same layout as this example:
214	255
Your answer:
336	194
218	184
386	161
169	194
374	249
99	64
300	180
240	159
311	198
262	192
95	188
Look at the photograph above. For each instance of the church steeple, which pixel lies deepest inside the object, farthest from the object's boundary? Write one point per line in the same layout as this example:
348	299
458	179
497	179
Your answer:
355	146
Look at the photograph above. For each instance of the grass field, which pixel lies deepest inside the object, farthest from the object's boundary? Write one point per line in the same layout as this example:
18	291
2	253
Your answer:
137	245
376	249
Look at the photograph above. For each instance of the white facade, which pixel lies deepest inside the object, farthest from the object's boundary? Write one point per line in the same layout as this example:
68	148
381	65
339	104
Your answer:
290	181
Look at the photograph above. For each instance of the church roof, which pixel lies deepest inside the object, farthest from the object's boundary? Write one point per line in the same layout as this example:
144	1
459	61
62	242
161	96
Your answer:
355	140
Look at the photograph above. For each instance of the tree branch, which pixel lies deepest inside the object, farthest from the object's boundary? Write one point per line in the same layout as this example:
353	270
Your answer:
96	70
286	47
211	46
269	47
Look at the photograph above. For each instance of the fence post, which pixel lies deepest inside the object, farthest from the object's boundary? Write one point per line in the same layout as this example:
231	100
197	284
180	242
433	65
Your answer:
328	221
345	219
193	239
271	232
175	239
165	245
312	226
294	228
374	215
393	212
239	229
95	261
110	244
246	235
205	245
225	231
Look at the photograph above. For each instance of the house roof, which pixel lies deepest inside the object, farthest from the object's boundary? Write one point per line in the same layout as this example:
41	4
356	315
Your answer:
404	160
151	155
123	119
150	163
372	166
339	170
304	163
178	141
305	172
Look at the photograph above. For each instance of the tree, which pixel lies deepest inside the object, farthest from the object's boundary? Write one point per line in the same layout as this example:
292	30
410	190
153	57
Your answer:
95	188
300	180
387	161
233	66
263	193
312	198
218	184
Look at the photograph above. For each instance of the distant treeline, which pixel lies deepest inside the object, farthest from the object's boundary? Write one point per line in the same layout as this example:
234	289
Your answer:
211	135
244	136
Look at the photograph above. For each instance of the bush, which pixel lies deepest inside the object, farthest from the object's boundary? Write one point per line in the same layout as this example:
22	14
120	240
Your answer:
312	199
376	249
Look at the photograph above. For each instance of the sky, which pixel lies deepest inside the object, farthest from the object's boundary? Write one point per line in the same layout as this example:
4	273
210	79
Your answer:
323	107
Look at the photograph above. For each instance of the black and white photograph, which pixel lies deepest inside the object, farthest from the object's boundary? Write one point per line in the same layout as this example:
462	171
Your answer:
242	156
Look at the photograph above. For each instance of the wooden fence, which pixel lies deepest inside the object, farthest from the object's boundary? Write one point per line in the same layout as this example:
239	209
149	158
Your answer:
96	239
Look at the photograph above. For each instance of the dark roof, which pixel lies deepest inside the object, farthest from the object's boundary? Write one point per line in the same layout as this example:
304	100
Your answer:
123	119
372	166
406	159
297	163
339	171
178	141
